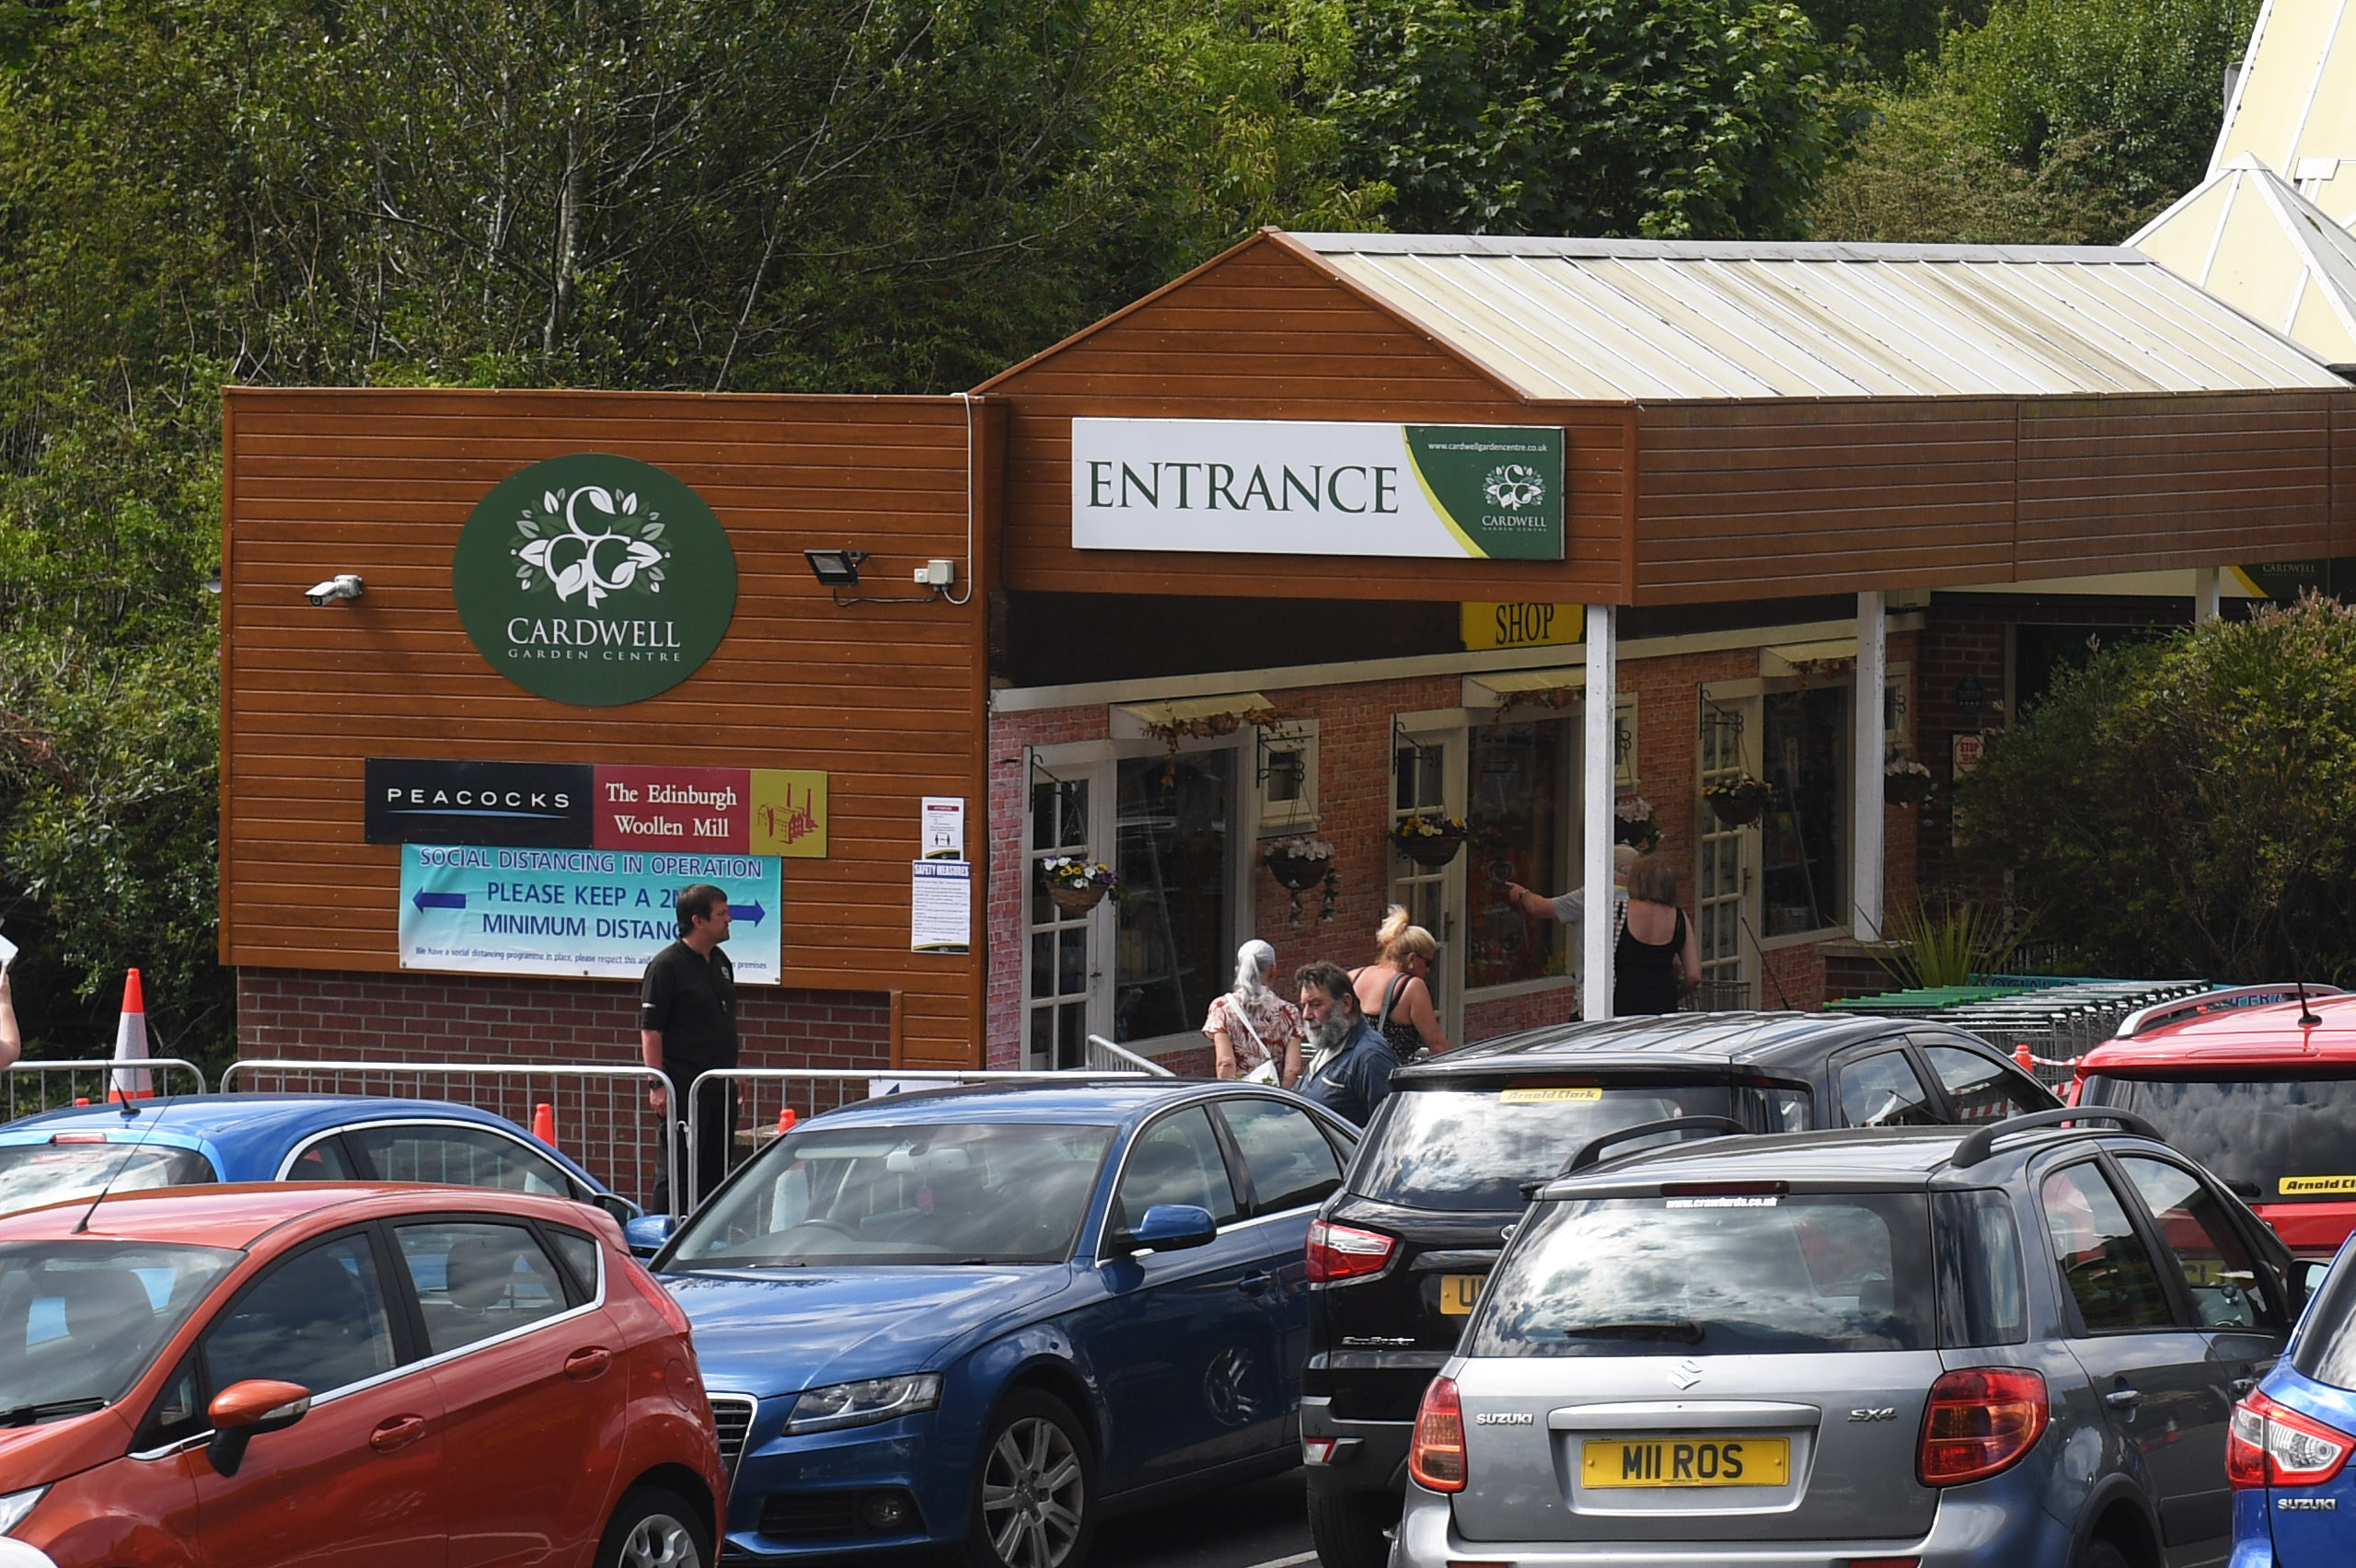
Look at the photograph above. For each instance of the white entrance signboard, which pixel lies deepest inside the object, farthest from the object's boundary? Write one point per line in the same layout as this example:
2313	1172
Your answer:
1303	487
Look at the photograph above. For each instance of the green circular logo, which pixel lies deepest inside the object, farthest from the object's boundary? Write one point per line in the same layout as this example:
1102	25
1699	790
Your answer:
594	579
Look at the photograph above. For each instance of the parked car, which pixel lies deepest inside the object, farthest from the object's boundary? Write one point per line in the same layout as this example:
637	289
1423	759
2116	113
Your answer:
2287	1452
281	1137
2015	1344
251	1375
1398	1258
2234	1079
993	1315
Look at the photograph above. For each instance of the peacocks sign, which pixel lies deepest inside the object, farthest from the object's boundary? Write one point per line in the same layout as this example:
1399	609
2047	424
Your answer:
1302	487
594	579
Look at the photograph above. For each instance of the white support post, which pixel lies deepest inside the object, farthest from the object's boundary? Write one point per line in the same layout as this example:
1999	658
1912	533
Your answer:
1864	837
2204	593
1600	793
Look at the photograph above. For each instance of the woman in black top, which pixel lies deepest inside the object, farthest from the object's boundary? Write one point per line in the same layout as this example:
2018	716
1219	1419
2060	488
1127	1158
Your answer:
1657	960
1393	992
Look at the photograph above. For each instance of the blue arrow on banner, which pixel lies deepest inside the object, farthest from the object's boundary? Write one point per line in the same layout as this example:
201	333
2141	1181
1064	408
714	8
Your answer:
424	900
751	913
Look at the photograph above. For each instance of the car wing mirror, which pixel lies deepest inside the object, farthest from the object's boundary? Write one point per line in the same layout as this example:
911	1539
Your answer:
243	1412
614	1204
1168	1227
2306	1278
647	1234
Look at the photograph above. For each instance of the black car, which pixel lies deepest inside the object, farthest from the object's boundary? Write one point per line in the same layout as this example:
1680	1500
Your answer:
1397	1257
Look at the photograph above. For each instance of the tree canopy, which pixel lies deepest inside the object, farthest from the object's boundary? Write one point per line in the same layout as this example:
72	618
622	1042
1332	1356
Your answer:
2181	807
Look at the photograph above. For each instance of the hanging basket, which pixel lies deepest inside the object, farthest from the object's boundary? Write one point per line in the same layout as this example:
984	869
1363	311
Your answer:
1434	849
1296	872
1737	811
1906	789
1075	900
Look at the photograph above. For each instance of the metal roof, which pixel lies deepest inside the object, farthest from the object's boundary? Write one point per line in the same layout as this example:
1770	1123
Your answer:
1628	320
2247	236
2293	102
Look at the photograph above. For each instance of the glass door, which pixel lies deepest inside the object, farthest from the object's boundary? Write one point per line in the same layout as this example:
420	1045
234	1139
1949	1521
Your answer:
1427	776
1723	884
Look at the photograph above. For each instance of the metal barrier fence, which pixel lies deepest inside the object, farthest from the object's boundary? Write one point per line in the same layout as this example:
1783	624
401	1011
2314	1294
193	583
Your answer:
45	1086
765	1094
604	1120
2061	1023
1103	1056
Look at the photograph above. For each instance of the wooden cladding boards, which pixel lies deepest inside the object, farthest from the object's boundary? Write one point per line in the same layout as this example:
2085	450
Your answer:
887	698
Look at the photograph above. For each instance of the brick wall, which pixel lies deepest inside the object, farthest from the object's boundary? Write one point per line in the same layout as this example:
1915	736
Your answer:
462	1018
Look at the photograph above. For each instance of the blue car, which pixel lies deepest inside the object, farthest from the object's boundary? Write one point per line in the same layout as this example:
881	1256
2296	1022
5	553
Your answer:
281	1137
991	1315
2294	1492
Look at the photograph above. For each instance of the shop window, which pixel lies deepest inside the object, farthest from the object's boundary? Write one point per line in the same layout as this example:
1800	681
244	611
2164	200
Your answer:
1174	937
1517	817
1804	835
1286	789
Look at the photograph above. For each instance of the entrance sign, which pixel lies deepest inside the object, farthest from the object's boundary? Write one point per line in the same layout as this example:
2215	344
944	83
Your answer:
1300	487
520	804
594	579
601	914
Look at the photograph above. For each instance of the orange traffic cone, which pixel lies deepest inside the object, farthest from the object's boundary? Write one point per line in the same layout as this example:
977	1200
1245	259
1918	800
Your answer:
785	1121
544	1123
131	1045
2027	1058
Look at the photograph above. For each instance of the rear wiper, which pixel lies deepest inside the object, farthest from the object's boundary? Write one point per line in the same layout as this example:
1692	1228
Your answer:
27	1414
1684	1329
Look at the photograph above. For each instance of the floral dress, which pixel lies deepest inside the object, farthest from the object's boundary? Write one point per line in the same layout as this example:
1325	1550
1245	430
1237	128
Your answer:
1276	1022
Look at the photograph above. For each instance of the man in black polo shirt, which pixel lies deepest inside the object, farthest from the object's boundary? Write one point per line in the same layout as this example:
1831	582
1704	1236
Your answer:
687	1027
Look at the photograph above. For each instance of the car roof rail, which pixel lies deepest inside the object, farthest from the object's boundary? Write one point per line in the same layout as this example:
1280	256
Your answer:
1591	1152
1976	1148
2225	999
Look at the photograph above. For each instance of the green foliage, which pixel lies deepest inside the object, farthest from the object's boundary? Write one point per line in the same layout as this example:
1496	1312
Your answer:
1677	119
1891	32
1946	945
2179	808
2065	121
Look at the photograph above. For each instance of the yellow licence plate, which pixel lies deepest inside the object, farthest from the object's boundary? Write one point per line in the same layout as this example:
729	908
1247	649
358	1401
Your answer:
1457	1294
1685	1461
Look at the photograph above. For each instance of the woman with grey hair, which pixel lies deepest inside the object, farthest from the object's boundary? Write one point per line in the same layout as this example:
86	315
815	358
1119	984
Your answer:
1255	1034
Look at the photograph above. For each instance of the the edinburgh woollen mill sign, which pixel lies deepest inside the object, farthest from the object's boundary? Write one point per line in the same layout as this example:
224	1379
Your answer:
1303	487
594	579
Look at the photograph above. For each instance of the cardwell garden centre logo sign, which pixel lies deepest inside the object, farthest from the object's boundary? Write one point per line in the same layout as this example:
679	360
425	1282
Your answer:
594	579
1299	487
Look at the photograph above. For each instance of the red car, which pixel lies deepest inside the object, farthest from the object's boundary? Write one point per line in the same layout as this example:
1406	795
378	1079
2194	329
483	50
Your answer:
2241	1081
360	1377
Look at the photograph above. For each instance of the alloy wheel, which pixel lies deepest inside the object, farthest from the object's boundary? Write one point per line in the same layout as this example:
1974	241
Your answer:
658	1540
1032	1495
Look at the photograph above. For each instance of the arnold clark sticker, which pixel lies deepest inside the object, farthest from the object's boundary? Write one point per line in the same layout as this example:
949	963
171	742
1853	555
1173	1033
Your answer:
2317	1186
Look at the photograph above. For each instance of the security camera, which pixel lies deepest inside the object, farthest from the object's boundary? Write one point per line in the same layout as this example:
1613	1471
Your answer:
343	585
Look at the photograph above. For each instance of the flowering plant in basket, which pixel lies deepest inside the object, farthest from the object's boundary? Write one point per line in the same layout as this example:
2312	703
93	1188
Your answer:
1905	782
1429	838
1077	886
1632	822
1300	864
1738	801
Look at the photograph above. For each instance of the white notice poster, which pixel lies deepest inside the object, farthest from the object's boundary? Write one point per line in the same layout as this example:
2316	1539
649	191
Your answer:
941	906
945	827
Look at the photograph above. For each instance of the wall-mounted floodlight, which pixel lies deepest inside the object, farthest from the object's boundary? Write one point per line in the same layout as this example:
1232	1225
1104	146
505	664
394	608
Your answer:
343	585
835	568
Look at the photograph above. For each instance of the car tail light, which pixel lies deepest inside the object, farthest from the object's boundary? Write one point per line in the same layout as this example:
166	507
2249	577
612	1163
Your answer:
2270	1445
651	1288
1981	1420
1342	1251
1436	1455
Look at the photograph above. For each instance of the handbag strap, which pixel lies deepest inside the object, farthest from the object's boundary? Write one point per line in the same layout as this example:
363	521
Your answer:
1390	999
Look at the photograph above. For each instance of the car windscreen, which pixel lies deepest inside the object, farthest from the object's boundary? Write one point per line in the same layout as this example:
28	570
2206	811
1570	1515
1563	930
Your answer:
34	1174
2271	1140
1725	1274
81	1319
1471	1148
949	1192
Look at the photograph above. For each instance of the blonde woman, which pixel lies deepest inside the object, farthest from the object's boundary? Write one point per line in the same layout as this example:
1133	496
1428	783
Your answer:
1255	1034
1394	993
